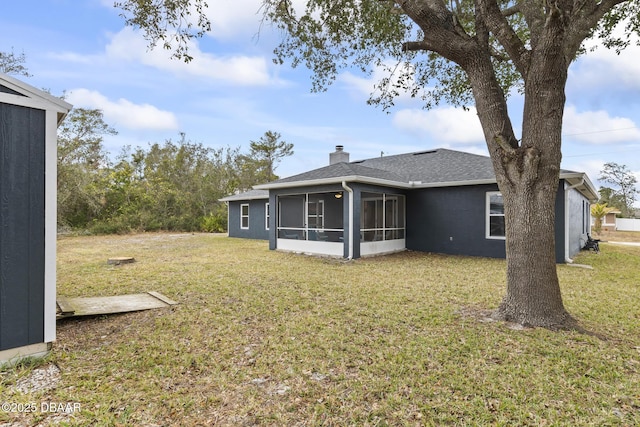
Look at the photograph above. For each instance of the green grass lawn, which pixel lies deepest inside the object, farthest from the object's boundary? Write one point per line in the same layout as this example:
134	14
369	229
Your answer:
268	338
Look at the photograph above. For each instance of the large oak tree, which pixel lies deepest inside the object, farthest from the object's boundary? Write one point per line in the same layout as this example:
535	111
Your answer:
466	53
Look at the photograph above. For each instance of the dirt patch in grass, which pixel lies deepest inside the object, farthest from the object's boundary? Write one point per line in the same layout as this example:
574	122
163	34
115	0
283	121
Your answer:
618	236
269	338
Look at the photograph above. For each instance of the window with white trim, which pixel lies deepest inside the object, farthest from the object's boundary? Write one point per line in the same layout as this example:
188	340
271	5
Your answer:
244	216
267	215
495	226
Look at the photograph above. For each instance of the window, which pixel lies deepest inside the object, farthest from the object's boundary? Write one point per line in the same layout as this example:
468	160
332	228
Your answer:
586	216
244	216
267	216
495	228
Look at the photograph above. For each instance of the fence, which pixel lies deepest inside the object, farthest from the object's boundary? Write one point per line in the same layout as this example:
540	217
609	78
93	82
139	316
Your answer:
627	224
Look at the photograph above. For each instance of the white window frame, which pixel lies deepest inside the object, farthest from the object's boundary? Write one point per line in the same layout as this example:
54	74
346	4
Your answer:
243	216
267	216
488	216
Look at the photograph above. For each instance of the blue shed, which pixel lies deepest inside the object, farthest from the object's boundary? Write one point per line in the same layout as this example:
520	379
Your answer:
29	119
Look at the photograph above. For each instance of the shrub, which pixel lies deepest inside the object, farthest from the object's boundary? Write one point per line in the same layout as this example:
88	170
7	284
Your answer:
215	222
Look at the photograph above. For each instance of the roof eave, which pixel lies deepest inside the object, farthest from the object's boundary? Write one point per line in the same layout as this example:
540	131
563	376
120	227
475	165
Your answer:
46	100
235	198
584	184
369	180
454	183
330	181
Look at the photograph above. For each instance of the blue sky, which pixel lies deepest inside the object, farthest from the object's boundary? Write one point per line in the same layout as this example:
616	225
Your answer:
232	93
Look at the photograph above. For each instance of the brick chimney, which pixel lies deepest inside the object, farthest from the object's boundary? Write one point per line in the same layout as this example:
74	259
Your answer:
338	156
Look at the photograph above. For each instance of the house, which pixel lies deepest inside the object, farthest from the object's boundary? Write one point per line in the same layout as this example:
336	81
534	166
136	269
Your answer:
609	220
440	200
28	126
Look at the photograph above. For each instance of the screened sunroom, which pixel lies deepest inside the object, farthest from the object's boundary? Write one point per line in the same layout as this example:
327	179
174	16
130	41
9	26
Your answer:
321	223
382	223
311	222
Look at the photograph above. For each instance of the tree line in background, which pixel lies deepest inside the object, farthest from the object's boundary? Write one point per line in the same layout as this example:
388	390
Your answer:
621	194
174	185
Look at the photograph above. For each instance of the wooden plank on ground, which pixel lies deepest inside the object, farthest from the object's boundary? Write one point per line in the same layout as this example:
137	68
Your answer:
162	298
65	307
92	306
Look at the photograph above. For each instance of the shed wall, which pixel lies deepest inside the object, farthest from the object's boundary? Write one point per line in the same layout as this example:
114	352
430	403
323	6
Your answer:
22	225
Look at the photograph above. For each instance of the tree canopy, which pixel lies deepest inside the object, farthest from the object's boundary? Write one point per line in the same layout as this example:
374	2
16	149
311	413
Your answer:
261	162
12	63
173	185
623	196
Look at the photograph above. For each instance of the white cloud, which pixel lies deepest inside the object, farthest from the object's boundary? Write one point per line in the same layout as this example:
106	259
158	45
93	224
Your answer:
443	125
597	67
124	113
598	127
230	18
129	45
233	19
365	86
591	167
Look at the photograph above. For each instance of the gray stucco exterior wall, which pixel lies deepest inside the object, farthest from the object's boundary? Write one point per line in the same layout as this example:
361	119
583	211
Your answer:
22	225
579	220
451	220
257	220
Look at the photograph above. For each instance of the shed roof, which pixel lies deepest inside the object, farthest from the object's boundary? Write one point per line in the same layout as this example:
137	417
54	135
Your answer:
14	91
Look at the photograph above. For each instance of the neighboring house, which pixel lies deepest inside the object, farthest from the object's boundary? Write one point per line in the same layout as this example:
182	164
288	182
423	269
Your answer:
28	121
609	220
438	200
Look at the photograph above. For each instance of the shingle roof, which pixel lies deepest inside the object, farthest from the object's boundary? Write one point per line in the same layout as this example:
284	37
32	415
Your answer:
438	167
434	166
247	195
339	170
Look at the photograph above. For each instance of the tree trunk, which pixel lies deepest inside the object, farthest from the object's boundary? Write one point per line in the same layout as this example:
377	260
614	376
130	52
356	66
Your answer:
533	295
527	173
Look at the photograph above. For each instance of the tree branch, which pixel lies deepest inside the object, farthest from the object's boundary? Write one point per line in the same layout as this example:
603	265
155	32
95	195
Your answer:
585	17
442	33
498	25
414	46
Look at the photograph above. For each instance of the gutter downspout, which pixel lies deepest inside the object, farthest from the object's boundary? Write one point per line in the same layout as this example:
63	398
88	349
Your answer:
566	220
350	191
